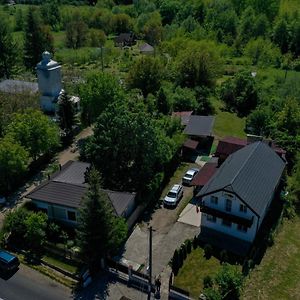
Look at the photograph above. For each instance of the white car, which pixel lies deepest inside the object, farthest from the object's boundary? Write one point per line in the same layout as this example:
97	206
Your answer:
189	176
174	195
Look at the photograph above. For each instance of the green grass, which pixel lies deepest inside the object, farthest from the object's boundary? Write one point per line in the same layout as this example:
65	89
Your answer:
277	276
59	263
226	123
195	268
289	7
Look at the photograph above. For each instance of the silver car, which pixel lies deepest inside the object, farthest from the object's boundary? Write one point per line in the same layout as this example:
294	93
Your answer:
174	195
189	176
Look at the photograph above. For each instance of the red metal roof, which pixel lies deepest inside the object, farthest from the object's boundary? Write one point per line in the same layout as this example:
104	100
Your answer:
191	144
205	173
229	145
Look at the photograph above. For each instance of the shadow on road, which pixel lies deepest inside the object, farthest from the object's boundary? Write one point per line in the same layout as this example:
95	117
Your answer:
7	275
98	289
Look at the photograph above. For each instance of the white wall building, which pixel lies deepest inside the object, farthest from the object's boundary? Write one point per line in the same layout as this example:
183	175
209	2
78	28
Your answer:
237	197
49	82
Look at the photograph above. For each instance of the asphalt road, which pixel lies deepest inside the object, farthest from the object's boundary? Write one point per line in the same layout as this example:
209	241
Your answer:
28	284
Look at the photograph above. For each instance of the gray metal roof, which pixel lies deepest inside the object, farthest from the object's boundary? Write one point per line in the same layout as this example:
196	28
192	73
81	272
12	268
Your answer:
252	173
146	48
18	86
200	125
67	188
73	173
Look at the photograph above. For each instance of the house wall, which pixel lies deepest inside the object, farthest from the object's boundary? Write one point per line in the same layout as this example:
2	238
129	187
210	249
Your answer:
57	212
235	210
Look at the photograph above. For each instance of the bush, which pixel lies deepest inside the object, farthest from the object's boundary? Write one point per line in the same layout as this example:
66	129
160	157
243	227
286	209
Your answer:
53	231
188	246
195	242
175	262
208	250
184	252
207	282
223	256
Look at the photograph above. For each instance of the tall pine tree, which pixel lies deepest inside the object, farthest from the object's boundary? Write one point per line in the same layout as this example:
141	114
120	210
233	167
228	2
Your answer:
7	49
66	114
100	231
38	38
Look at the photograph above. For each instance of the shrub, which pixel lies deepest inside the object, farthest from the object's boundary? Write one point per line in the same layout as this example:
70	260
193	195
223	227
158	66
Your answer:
223	256
208	251
175	262
207	282
184	252
195	242
188	246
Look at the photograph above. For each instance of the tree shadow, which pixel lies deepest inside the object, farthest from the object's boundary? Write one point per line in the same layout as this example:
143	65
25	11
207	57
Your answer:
98	289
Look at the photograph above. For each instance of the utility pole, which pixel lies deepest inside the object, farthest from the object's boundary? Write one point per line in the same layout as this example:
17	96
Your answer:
150	263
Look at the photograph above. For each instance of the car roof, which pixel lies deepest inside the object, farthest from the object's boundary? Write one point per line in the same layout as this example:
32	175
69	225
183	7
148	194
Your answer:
175	187
192	171
5	256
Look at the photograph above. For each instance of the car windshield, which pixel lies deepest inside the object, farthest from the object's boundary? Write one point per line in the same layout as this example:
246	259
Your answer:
188	176
171	195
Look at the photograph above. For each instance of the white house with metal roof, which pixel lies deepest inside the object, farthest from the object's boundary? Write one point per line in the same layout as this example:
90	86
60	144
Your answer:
61	195
237	197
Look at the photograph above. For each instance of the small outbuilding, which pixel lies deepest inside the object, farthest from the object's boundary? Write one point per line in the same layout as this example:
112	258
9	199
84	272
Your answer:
183	115
125	39
146	49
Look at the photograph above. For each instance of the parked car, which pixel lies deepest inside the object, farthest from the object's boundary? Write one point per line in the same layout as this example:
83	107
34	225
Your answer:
8	262
189	176
174	195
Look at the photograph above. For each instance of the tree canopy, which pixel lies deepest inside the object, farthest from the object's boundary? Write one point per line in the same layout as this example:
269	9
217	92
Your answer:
36	132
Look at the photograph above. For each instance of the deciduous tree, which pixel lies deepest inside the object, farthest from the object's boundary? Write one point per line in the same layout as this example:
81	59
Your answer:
35	132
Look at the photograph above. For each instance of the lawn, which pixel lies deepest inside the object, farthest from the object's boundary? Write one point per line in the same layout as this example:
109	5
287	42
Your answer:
289	7
51	259
195	268
277	276
226	123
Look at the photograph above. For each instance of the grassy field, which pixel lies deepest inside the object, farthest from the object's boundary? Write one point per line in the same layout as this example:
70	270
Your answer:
289	6
226	123
277	277
195	268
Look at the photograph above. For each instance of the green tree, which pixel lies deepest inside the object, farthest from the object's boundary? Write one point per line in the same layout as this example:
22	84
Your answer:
66	114
153	29
128	146
281	35
240	93
35	132
122	23
99	90
19	20
35	236
100	231
183	99
212	294
7	49
13	225
13	164
97	38
258	122
230	281
198	65
76	32
37	39
163	105
50	13
146	74
295	39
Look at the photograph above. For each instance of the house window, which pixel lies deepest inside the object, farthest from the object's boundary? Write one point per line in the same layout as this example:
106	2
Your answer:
243	208
214	200
226	223
211	218
71	215
228	205
242	228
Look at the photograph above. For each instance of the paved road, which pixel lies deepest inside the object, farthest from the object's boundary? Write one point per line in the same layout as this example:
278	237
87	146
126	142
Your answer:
28	284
